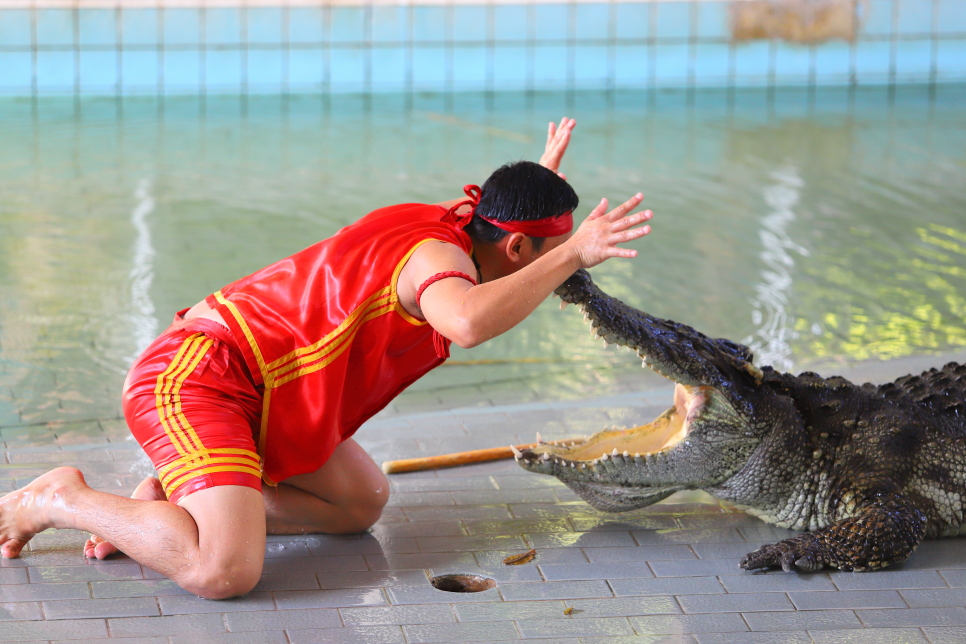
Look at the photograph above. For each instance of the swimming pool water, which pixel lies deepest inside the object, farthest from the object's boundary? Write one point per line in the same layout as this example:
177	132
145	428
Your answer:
822	226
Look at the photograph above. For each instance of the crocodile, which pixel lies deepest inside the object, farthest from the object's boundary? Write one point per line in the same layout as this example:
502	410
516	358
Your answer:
866	471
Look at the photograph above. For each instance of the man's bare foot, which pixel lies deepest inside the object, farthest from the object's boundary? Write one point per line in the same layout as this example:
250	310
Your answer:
147	490
34	508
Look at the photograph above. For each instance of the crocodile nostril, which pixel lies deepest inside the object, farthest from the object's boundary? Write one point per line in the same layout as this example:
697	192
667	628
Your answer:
462	583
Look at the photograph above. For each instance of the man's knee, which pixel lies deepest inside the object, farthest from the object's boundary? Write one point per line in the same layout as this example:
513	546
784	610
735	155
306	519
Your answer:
365	511
380	493
231	541
223	580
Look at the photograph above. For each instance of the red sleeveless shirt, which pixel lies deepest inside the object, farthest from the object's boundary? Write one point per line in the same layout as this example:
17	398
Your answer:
323	331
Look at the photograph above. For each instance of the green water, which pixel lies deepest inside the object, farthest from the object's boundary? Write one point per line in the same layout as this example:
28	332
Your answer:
818	227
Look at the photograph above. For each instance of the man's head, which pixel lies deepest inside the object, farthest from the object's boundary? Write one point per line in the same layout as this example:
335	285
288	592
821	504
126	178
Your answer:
520	191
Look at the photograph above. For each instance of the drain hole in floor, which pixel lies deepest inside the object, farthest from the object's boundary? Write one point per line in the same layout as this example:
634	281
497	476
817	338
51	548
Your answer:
462	583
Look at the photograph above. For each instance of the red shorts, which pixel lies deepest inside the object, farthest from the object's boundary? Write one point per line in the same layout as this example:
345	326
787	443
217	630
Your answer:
192	405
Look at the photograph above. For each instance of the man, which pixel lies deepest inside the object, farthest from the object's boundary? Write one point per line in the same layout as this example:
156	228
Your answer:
266	380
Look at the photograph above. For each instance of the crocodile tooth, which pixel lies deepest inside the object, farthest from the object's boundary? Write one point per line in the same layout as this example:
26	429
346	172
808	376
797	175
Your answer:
573	465
545	457
625	453
563	304
755	372
557	461
583	466
604	457
539	439
614	453
516	453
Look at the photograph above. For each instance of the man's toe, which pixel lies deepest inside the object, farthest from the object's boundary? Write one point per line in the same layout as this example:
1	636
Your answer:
12	547
104	549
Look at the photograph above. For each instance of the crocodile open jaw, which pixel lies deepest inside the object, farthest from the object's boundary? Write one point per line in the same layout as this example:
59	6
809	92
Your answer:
663	433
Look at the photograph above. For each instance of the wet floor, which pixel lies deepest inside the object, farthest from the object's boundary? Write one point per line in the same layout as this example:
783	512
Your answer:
664	574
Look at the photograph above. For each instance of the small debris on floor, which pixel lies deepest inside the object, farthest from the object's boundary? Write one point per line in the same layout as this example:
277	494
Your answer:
516	560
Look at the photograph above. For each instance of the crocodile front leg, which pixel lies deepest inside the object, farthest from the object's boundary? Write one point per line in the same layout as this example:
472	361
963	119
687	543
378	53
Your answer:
885	532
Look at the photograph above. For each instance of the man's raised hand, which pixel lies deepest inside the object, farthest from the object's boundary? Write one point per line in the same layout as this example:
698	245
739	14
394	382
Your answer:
558	138
598	236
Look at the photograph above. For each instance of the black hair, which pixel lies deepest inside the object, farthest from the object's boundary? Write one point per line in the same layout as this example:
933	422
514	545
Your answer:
520	191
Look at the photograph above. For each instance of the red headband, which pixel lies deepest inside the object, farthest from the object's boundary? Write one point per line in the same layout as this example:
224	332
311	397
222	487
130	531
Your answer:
546	227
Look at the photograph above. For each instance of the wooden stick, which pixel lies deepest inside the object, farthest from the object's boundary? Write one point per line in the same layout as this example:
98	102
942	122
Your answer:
461	458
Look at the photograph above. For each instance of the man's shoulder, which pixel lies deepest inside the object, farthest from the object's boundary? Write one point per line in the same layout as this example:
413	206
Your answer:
402	208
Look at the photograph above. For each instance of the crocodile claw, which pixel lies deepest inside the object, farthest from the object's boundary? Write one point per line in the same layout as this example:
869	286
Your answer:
792	555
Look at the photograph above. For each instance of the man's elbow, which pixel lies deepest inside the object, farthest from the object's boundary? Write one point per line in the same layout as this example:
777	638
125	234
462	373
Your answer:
467	335
467	344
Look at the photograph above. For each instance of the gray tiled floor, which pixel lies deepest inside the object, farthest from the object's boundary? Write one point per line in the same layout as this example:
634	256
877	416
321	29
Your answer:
664	574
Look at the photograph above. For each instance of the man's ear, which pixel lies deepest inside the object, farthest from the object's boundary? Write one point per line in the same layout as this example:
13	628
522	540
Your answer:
515	246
